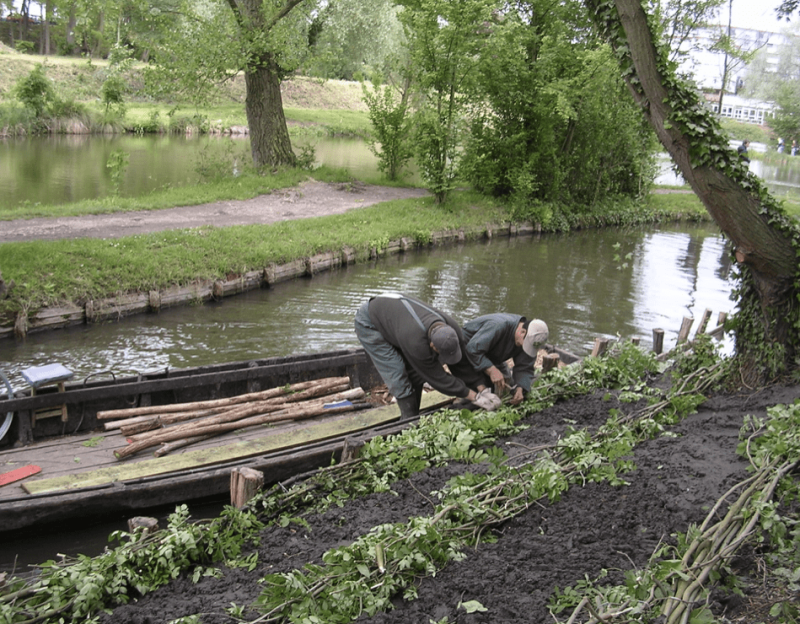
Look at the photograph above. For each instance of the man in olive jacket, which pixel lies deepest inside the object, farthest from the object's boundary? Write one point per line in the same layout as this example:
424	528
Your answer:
491	341
409	341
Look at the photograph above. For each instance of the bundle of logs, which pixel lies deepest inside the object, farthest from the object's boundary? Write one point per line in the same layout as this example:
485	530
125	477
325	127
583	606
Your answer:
170	427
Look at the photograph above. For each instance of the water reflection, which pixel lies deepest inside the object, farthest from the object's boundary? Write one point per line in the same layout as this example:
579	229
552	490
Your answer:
573	281
68	168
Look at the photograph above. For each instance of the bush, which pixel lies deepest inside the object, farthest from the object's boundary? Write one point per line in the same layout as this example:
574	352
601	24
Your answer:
35	91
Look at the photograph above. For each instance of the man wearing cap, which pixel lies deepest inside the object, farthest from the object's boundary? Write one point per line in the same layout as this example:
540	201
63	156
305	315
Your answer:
493	339
409	341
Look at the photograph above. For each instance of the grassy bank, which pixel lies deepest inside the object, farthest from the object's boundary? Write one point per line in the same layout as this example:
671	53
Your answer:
310	105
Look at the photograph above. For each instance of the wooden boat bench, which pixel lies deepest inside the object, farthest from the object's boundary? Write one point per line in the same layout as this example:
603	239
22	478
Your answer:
39	377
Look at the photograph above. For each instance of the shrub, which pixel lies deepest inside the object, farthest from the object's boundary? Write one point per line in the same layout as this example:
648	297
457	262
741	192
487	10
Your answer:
35	91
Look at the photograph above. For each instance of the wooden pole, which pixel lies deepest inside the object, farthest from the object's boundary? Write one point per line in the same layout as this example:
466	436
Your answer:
167	447
686	326
658	341
242	398
253	409
245	483
257	407
169	435
701	328
600	346
549	362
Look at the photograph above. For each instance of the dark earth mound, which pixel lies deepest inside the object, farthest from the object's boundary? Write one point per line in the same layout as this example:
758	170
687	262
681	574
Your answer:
596	527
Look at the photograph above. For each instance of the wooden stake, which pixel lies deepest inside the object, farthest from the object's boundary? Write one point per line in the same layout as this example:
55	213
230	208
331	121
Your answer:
701	328
600	346
351	449
549	362
658	341
686	326
245	483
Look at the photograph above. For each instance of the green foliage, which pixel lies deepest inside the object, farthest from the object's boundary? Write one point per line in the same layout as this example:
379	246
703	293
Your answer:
35	91
704	353
116	165
25	47
307	159
349	38
139	563
445	48
555	122
112	93
391	127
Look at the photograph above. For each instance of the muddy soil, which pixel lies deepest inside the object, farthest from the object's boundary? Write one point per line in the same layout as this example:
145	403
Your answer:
592	528
309	199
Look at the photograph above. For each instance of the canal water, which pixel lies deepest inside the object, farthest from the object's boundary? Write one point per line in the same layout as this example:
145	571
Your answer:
587	284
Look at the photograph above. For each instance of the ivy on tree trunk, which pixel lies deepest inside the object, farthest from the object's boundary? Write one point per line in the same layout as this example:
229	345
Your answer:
765	240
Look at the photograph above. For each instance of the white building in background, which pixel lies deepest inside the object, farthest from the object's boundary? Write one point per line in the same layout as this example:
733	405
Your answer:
741	108
707	69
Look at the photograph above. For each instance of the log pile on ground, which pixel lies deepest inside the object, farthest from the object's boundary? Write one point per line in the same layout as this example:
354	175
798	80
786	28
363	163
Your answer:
170	427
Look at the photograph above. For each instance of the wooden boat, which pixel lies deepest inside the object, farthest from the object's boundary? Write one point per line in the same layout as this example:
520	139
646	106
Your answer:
65	466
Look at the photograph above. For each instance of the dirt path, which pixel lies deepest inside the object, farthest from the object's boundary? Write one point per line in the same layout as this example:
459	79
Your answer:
309	199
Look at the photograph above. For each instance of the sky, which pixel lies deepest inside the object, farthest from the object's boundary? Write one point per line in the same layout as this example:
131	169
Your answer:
756	14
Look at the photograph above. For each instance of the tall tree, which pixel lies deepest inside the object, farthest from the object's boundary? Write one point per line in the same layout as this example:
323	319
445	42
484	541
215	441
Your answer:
269	137
779	82
764	238
352	37
217	41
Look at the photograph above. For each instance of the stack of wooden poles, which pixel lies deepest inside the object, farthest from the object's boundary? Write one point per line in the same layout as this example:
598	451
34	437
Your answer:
170	427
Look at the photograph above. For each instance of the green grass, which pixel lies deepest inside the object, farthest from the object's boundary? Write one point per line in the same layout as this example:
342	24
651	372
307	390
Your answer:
332	122
78	270
687	203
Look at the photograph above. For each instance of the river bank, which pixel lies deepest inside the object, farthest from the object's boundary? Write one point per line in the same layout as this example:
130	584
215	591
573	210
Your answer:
55	283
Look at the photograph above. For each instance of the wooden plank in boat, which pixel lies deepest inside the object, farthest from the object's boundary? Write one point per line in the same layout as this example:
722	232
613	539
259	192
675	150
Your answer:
195	459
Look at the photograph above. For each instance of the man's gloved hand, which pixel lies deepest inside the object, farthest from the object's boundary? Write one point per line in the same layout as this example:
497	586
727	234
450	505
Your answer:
487	400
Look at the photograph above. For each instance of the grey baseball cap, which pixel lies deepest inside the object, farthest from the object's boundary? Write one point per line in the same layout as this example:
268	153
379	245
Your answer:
445	339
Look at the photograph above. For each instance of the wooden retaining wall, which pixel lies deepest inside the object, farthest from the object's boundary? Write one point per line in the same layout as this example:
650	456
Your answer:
115	308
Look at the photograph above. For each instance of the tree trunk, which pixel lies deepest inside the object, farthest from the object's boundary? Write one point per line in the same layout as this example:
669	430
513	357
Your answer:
72	21
762	237
269	137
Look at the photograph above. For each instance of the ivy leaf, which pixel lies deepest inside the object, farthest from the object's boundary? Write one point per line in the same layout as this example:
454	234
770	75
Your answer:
472	606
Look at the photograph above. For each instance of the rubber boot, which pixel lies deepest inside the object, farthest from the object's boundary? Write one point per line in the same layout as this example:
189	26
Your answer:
409	407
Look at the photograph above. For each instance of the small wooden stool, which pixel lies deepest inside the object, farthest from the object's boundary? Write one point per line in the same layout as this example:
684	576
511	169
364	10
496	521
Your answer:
48	375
